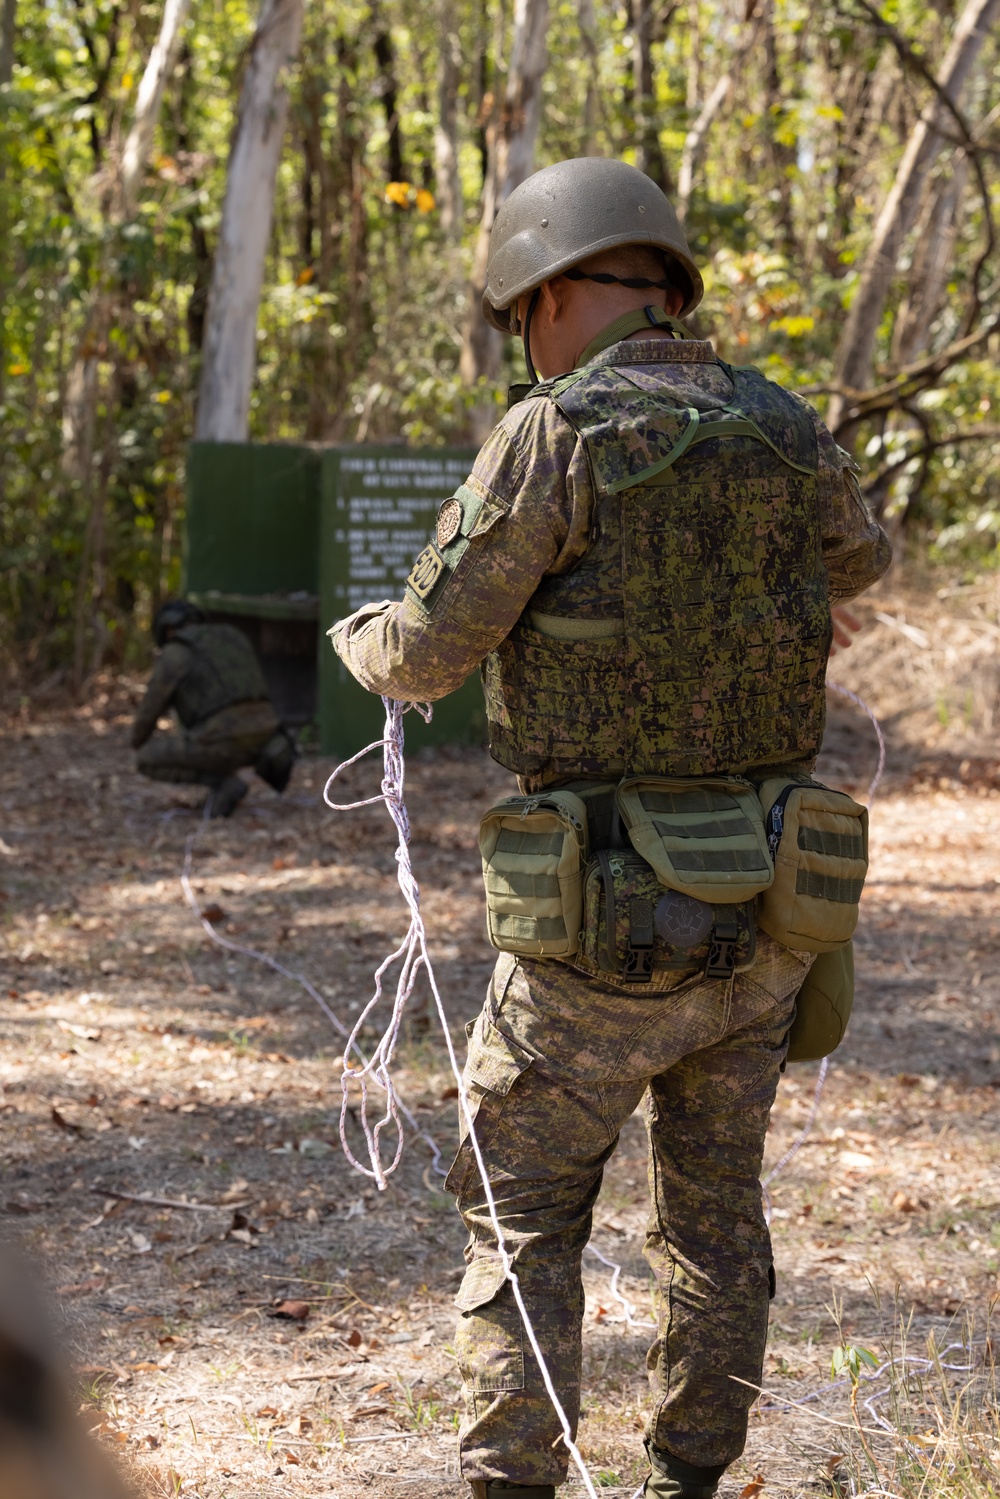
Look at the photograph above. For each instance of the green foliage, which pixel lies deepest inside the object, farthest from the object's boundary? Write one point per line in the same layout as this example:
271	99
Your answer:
359	326
850	1360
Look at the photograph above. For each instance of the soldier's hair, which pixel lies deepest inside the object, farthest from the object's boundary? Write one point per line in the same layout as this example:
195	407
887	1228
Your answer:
636	266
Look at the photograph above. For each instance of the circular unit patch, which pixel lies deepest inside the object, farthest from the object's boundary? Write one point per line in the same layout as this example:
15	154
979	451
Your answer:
681	920
449	522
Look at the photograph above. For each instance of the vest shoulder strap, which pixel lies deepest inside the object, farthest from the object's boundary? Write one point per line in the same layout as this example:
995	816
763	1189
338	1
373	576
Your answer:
633	432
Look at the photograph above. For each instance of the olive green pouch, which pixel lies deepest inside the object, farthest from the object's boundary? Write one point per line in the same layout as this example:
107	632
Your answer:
534	849
819	842
823	1006
635	931
704	837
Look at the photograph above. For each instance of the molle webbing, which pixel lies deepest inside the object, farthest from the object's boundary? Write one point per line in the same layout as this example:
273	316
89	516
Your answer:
692	636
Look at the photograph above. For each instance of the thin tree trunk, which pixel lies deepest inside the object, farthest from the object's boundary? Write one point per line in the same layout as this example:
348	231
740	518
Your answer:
694	143
782	156
447	182
230	350
82	384
8	18
649	156
932	264
512	158
162	59
388	88
587	21
856	352
694	55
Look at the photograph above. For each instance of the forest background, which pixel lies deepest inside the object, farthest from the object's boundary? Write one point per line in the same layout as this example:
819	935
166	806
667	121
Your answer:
836	165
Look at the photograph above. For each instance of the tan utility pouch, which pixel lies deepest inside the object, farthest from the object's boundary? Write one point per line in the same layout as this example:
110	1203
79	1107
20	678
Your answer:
704	837
819	841
534	849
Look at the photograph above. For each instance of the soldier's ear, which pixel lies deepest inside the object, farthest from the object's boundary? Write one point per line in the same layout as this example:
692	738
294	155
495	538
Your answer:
553	298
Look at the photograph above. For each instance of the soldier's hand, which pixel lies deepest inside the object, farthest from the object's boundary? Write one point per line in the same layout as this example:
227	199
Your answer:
845	626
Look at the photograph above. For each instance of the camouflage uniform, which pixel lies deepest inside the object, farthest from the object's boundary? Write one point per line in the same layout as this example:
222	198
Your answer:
211	677
558	1060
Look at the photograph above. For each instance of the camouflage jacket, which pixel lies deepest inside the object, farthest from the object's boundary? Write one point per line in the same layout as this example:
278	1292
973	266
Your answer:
201	670
526	514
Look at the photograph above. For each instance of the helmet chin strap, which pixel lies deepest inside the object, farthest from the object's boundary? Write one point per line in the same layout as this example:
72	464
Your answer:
526	335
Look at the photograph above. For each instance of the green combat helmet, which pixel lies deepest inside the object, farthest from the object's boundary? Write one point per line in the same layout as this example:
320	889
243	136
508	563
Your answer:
569	211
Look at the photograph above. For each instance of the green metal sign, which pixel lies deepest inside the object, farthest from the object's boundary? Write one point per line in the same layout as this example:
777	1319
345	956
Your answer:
377	511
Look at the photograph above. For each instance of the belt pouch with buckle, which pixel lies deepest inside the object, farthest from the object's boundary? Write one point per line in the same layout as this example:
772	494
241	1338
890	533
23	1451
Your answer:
534	849
819	842
635	931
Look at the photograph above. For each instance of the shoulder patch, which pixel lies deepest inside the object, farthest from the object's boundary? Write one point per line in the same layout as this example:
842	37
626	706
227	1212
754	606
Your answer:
426	571
449	521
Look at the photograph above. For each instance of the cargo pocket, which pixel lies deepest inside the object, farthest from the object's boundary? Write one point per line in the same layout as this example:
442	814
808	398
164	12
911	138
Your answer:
494	1065
490	1338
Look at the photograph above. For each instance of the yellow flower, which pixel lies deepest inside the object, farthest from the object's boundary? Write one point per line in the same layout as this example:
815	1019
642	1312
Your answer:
795	327
162	397
398	193
425	201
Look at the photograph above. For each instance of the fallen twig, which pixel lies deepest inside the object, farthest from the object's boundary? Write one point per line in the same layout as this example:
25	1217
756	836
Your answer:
797	1405
169	1202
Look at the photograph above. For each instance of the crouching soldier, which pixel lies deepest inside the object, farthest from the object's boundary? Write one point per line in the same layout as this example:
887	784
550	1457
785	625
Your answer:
209	675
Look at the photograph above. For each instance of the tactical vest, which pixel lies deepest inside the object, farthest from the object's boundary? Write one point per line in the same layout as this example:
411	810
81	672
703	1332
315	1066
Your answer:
224	670
692	637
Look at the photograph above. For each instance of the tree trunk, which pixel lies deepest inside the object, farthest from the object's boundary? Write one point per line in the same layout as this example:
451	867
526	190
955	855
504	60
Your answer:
932	263
388	89
693	92
230	351
447	182
512	157
162	59
587	22
8	17
694	143
648	151
855	355
782	156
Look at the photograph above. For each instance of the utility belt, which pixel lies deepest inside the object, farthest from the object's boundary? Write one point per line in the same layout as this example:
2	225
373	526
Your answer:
648	879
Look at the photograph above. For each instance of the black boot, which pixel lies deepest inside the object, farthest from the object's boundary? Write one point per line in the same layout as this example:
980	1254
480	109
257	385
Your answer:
226	796
275	761
673	1479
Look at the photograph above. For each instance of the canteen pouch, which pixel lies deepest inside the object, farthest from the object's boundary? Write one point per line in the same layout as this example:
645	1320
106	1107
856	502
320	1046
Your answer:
823	1006
819	843
534	849
635	931
704	837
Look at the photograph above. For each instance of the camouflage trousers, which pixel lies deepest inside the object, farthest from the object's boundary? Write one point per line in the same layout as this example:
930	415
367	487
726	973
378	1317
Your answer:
213	750
557	1063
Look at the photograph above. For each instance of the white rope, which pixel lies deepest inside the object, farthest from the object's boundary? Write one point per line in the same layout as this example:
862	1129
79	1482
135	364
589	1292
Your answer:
628	1306
413	954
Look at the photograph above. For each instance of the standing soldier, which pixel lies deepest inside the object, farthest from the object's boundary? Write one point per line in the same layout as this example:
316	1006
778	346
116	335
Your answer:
210	676
643	560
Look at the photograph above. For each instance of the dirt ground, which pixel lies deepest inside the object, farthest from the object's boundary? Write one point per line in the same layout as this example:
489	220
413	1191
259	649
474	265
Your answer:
284	1329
